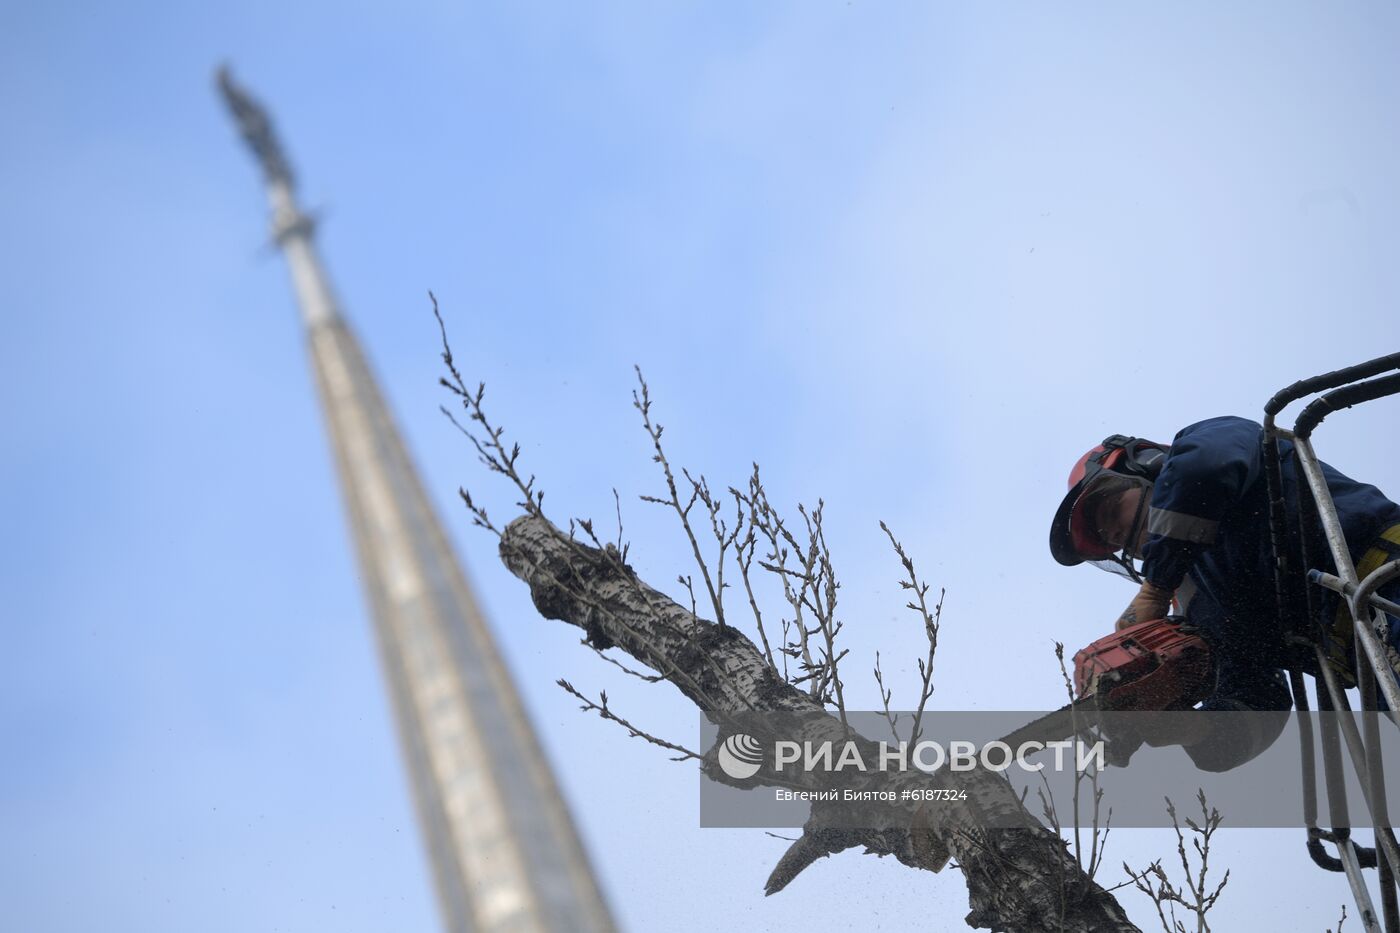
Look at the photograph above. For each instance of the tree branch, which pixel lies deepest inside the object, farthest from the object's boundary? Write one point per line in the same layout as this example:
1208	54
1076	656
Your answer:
725	673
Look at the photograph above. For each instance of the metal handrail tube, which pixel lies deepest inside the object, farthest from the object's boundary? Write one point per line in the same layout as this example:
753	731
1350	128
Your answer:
1338	810
1371	633
1288	596
1380	810
1376	666
1346	570
1309	520
1344	397
1390	908
1326	510
1307	749
1375	771
1357	750
1331	380
1365	592
1335	583
1346	849
1376	798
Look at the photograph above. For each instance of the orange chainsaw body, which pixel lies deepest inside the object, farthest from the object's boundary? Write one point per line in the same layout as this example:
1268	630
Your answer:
1154	665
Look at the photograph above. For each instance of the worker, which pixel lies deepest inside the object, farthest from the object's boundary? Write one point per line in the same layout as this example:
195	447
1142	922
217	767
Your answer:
1195	515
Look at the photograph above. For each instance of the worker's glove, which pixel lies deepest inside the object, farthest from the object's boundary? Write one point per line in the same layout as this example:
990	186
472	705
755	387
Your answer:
1151	602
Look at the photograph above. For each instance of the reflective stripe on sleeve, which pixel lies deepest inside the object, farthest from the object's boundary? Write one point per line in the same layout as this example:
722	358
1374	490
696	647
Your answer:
1181	526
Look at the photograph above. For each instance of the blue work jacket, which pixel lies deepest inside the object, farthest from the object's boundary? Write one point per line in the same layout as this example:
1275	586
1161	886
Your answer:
1208	539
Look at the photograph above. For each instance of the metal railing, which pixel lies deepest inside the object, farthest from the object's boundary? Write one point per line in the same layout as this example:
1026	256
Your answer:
1296	553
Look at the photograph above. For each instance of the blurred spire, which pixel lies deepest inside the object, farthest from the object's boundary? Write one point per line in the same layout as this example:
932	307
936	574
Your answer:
256	127
501	843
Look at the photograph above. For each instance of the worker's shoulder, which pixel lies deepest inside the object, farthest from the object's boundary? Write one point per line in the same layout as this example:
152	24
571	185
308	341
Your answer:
1222	426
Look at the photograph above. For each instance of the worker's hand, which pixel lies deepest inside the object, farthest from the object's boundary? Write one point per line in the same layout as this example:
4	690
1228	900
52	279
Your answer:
1151	602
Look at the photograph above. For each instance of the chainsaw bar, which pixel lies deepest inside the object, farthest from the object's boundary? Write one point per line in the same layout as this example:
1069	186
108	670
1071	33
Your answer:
1061	724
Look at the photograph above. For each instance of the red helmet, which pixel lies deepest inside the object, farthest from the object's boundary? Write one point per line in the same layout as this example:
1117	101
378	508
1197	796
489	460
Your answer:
1071	540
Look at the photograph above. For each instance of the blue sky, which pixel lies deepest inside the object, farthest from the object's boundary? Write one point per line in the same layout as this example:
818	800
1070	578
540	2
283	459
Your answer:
913	259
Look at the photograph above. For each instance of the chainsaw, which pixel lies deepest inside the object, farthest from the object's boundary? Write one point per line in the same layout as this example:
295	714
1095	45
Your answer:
1156	665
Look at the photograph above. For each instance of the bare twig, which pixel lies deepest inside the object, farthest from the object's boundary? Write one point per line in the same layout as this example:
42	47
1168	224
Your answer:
684	580
621	547
762	518
487	440
1162	893
821	599
641	400
781	542
725	537
931	620
601	707
1195	897
743	556
1098	839
489	447
649	678
885	695
810	589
